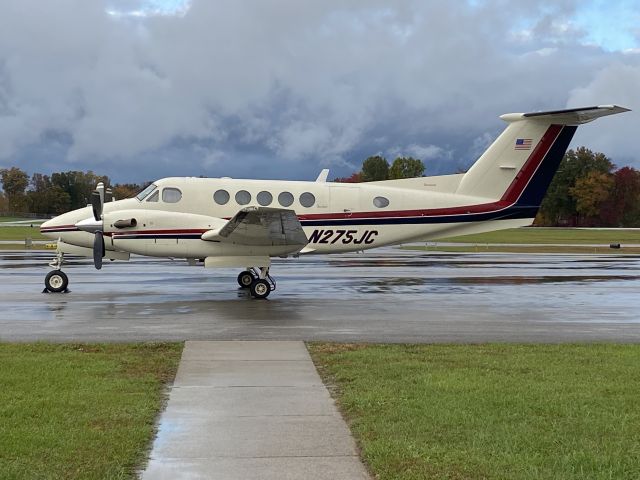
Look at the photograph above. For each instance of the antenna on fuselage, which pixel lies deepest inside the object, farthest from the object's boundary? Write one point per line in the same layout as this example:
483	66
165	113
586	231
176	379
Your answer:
324	174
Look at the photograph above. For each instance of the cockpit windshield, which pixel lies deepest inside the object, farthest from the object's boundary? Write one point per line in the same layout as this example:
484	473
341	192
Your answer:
144	193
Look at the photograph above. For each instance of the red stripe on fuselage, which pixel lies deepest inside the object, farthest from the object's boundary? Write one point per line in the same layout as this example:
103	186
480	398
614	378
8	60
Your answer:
524	176
157	232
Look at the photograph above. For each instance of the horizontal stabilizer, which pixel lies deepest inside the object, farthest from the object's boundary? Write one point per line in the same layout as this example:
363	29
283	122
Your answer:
570	116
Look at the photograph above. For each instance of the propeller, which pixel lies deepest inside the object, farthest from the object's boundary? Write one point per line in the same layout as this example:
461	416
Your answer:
97	204
95	225
98	249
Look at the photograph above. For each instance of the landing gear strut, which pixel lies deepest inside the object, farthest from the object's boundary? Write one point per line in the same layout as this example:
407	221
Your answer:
56	280
258	281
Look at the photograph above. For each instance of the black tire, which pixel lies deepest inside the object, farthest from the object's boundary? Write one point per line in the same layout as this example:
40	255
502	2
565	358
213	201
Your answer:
245	279
260	289
56	281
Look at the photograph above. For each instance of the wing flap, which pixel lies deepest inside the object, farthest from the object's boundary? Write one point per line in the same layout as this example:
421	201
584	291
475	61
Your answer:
261	226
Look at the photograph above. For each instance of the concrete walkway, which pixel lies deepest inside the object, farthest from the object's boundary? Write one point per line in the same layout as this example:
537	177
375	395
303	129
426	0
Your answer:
251	410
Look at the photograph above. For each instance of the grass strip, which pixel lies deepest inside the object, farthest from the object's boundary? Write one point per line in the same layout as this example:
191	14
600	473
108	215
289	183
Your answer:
551	235
490	411
525	249
80	411
21	232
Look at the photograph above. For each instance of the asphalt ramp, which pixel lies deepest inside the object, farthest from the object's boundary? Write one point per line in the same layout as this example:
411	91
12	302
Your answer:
251	410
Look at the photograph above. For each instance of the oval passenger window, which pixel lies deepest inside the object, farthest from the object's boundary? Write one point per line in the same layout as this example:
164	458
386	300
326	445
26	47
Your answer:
285	199
264	198
381	202
221	197
171	195
307	199
243	197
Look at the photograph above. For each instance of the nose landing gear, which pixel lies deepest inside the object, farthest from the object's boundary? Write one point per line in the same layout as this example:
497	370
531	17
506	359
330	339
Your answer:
56	280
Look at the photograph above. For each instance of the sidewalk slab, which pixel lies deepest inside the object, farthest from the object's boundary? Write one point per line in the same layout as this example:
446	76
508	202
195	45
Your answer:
251	410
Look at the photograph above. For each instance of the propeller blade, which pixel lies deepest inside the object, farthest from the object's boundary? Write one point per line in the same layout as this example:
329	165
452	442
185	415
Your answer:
96	205
98	250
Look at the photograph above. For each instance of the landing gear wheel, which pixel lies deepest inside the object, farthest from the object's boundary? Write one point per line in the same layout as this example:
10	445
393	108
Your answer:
245	279
260	289
56	281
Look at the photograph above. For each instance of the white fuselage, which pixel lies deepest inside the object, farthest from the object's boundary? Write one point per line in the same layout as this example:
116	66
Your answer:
336	217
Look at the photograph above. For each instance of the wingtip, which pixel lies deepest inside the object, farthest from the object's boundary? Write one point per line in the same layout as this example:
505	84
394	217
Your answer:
617	108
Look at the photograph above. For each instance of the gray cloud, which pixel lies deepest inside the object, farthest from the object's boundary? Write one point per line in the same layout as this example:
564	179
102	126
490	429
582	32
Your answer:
282	89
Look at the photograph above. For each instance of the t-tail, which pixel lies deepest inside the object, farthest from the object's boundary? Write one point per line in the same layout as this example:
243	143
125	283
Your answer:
518	167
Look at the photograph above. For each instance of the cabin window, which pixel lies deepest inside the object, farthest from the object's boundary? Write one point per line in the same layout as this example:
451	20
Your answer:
264	198
221	197
285	199
243	197
381	202
171	195
144	193
307	199
154	197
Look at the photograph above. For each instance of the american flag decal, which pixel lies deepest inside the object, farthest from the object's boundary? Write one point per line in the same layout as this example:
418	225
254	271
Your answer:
523	144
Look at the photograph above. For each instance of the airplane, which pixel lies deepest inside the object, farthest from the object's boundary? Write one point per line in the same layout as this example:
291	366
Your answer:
233	223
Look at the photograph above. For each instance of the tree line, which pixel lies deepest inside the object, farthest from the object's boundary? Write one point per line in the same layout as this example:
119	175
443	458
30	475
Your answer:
587	191
56	193
377	168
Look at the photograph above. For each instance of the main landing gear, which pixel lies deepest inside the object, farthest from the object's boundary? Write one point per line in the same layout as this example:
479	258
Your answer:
56	280
258	281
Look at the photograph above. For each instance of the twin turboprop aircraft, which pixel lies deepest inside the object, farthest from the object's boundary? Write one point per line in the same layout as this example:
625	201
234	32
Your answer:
226	222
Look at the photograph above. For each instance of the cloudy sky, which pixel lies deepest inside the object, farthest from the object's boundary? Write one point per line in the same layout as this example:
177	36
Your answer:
141	89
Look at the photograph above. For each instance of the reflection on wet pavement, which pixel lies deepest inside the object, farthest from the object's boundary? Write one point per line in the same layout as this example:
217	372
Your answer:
384	295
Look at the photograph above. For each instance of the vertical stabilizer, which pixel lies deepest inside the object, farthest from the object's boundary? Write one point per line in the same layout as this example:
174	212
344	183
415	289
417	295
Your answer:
522	161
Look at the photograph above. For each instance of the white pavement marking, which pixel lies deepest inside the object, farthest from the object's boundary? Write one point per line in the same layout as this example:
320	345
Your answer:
251	410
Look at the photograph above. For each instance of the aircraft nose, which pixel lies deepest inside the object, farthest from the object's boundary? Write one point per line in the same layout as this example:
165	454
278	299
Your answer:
45	228
46	224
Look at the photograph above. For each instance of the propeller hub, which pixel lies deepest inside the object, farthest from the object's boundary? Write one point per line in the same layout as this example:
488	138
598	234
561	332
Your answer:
90	225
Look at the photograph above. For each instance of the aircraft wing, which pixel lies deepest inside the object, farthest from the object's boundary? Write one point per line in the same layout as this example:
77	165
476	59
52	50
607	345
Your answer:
260	226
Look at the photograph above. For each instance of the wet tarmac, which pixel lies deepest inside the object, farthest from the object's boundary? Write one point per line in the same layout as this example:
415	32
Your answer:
386	295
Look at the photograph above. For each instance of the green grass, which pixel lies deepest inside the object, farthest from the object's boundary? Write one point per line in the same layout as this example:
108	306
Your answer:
541	248
80	411
20	233
490	411
551	235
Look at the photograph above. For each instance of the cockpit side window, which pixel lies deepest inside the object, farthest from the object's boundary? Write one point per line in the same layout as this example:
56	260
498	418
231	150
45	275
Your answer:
144	193
154	197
